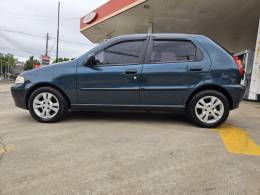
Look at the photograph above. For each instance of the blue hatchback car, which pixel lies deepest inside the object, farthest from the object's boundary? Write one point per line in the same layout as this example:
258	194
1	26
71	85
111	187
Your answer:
164	72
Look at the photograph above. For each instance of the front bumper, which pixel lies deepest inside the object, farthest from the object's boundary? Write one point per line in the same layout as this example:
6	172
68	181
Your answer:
19	96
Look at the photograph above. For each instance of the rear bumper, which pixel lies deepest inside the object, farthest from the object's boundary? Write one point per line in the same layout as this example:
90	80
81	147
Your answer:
237	93
19	96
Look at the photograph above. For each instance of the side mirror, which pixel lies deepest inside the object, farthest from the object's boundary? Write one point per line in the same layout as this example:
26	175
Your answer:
91	61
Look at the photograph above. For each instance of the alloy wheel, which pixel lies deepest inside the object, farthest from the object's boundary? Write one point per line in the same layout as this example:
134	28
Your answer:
46	105
209	109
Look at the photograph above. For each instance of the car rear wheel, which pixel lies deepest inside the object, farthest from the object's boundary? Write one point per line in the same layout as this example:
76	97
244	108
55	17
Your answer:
47	105
208	109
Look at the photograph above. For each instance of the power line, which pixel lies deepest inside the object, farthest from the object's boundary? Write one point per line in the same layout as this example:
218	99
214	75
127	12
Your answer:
52	47
71	42
14	43
43	37
37	52
20	50
15	49
23	49
42	17
22	33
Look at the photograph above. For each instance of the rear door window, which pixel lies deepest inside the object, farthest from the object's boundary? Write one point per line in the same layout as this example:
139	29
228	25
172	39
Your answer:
174	51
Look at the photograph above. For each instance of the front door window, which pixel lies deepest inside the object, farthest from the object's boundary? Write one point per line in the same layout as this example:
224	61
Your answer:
122	53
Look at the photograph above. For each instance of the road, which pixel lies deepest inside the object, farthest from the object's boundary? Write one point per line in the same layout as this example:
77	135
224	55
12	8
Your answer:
124	153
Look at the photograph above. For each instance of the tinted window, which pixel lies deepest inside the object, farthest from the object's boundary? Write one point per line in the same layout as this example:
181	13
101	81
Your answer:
122	53
174	51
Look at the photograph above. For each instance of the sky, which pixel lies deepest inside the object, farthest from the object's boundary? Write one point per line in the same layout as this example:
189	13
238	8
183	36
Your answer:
25	23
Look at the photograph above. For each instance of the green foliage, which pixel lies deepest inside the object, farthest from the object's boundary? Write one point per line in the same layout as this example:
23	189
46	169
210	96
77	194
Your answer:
61	60
6	61
30	62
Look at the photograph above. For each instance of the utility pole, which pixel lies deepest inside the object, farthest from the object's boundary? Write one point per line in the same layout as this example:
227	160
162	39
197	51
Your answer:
8	70
58	33
1	70
47	44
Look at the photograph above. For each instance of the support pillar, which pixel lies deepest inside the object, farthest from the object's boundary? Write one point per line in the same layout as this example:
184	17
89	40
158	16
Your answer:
150	28
254	92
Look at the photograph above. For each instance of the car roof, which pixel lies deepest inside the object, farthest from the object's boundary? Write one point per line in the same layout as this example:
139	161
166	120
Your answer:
132	37
161	35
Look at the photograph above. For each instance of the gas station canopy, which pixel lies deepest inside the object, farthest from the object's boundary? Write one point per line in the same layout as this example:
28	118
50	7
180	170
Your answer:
232	23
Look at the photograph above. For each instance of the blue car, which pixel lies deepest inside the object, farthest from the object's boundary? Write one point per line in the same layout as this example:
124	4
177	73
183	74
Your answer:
156	72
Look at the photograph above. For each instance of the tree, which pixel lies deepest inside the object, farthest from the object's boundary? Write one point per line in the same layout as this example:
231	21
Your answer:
30	62
61	60
7	62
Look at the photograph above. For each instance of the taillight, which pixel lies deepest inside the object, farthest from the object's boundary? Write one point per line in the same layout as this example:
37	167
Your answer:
239	66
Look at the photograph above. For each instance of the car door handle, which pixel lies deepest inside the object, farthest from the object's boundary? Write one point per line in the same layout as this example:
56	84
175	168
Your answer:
196	68
131	71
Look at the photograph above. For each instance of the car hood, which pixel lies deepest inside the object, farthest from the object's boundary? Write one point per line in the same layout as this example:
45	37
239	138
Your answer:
52	72
49	68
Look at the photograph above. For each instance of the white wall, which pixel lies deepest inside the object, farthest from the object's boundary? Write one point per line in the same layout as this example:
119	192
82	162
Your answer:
255	82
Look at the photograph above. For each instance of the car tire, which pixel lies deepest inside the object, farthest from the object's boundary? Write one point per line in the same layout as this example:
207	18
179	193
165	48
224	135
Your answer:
47	105
208	109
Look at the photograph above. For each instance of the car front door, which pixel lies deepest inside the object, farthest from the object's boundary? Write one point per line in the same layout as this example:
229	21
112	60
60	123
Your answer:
173	67
114	80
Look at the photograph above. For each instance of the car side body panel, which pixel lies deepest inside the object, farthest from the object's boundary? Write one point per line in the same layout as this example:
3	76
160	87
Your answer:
223	73
159	86
60	76
170	83
112	84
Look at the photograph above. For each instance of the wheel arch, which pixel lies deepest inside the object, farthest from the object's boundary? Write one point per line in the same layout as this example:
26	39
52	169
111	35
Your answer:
40	85
211	87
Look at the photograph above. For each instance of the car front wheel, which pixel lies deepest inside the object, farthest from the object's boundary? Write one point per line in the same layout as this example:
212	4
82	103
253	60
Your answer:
208	109
47	105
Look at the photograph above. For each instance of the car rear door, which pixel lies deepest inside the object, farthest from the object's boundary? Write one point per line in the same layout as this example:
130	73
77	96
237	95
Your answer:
173	67
115	78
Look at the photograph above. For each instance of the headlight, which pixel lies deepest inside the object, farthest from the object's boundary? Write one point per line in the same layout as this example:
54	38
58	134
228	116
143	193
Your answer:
19	80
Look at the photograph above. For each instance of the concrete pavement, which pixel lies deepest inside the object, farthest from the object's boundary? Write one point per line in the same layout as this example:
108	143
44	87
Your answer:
5	86
123	153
